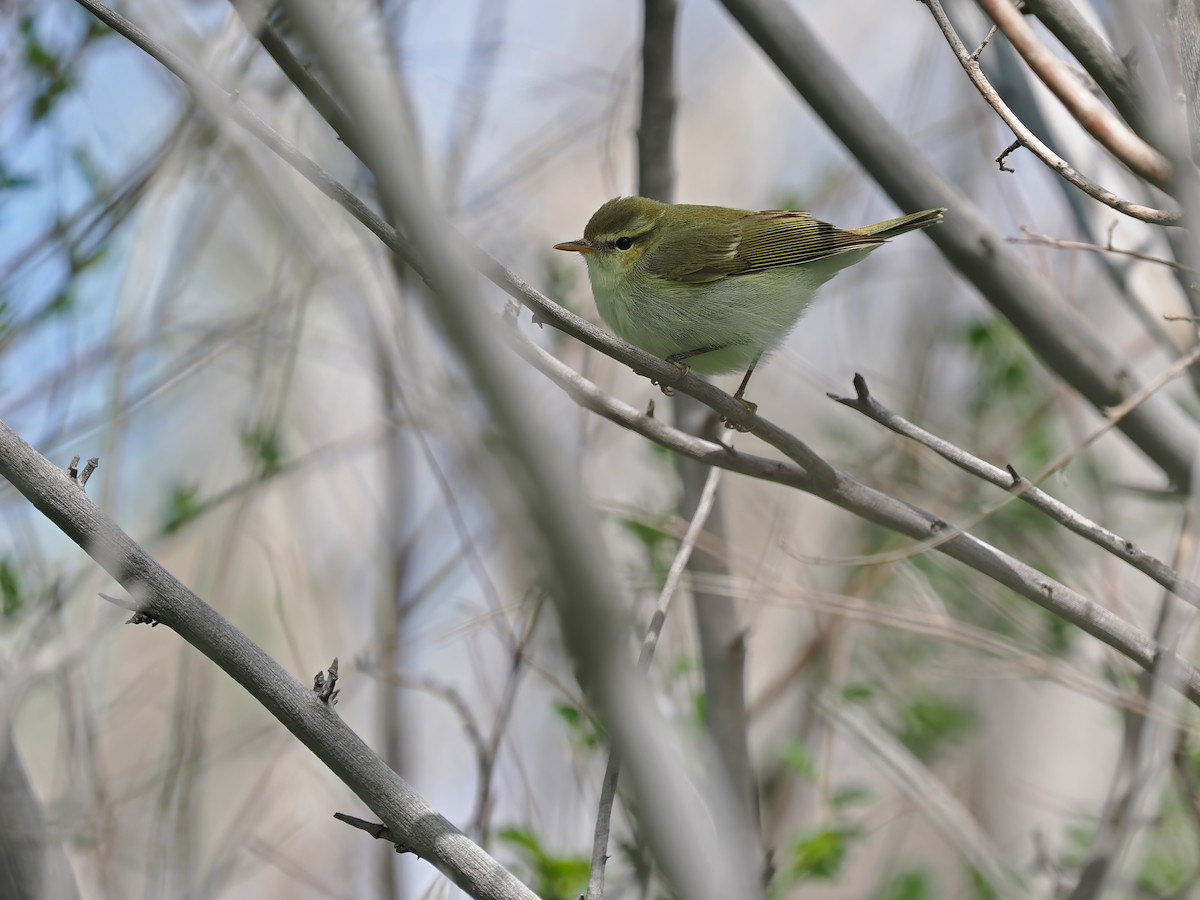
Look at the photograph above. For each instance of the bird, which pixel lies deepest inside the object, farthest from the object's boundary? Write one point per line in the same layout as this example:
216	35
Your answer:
711	288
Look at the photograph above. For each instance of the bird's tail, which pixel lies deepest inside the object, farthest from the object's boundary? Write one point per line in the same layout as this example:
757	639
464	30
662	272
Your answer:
895	227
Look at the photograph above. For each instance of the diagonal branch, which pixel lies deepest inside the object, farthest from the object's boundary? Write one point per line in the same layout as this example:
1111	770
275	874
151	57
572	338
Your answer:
1067	342
612	770
1117	137
164	598
1032	142
883	509
1098	59
1025	490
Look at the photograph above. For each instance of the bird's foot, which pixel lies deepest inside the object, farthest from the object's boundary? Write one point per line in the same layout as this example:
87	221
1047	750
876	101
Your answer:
751	408
666	388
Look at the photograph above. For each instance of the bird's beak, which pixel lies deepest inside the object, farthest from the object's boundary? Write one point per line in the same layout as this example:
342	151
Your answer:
583	245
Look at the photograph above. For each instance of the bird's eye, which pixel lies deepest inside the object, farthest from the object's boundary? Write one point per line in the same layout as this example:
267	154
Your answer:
624	242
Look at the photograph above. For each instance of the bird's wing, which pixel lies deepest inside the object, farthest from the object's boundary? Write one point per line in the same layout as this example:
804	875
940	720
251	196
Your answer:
699	251
748	242
784	238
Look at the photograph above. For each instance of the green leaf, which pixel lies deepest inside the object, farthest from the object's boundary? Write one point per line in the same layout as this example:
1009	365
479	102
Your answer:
584	730
54	76
88	260
521	838
799	760
930	722
266	448
13	181
11	595
981	887
818	855
183	506
37	55
913	884
1161	874
858	692
60	304
552	877
650	536
86	166
851	795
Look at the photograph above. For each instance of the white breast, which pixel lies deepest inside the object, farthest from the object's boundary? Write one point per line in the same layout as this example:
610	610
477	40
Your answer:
744	315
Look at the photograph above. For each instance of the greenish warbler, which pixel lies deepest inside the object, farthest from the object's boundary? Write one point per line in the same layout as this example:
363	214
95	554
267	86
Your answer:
711	288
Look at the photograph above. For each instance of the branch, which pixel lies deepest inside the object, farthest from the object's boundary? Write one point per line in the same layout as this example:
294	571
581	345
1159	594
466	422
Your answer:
1030	141
883	509
554	519
163	598
1032	237
1024	489
1113	134
1097	58
1066	341
656	123
612	770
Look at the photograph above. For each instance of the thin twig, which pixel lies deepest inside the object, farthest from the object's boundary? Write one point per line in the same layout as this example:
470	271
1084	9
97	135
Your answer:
1030	141
1005	154
987	39
865	502
820	478
612	770
483	796
1032	237
1116	137
1104	64
1024	489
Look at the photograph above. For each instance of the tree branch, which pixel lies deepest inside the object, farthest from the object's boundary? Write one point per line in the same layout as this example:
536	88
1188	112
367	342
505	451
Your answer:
1032	142
612	770
1113	134
164	598
1025	490
882	509
1097	58
1065	340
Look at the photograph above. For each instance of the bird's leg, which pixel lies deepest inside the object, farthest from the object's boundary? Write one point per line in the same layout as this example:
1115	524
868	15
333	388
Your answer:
740	396
678	360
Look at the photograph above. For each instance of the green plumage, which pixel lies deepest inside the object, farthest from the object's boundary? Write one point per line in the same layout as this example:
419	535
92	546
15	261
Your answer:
713	287
696	244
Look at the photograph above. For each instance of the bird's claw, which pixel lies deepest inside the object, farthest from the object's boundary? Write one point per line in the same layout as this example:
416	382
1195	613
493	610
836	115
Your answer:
751	408
666	388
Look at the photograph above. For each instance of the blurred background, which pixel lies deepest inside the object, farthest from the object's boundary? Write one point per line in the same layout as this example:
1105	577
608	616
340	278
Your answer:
279	424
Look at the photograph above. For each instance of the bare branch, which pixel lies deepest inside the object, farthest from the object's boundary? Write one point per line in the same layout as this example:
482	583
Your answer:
1067	342
1032	237
612	770
1024	489
882	509
656	124
1030	141
1099	59
162	597
1112	133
